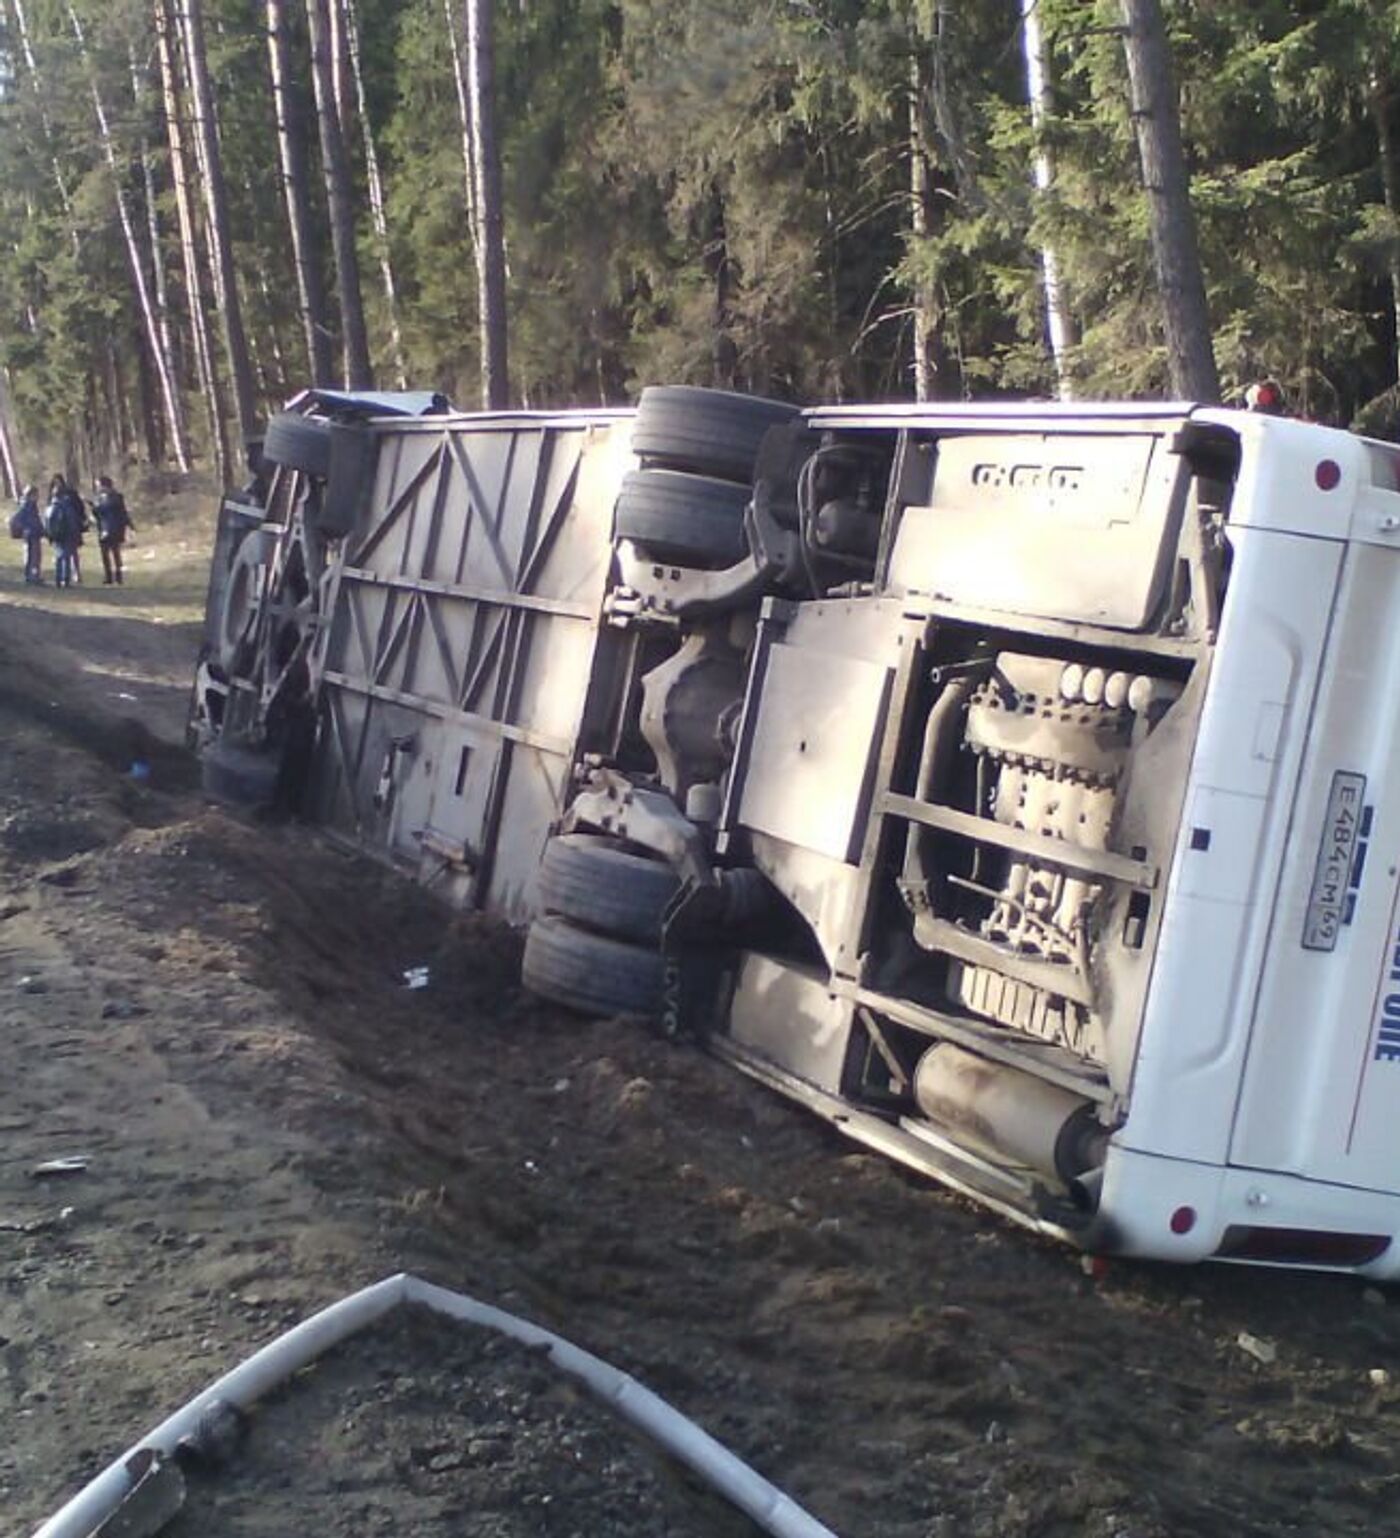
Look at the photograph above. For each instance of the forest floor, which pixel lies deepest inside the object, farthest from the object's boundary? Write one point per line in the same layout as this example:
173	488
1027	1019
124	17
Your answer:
209	1012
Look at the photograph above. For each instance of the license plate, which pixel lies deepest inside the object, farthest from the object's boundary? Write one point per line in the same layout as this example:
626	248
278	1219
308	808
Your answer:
1327	902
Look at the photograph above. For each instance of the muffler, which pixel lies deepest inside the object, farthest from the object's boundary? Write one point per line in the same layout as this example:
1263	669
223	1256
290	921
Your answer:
1009	1116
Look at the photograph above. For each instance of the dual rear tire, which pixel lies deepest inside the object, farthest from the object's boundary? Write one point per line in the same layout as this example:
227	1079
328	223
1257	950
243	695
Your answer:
596	946
698	449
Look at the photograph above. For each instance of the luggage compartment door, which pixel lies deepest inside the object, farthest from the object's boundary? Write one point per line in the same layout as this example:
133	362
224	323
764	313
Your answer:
455	668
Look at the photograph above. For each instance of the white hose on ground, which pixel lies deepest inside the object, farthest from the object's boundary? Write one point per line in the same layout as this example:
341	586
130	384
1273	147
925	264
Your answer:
280	1359
249	1381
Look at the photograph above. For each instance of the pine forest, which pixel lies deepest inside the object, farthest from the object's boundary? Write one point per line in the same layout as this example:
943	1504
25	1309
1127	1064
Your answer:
206	205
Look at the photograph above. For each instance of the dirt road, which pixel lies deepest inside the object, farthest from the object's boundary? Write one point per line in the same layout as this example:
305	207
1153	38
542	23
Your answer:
209	1011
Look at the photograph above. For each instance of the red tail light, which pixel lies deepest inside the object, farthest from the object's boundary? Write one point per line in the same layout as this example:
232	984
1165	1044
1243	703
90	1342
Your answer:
1183	1220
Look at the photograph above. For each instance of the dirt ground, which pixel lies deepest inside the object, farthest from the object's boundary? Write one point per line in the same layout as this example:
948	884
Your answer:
210	1012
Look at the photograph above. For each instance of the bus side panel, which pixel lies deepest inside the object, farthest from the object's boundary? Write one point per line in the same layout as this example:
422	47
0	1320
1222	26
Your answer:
1321	1090
1229	848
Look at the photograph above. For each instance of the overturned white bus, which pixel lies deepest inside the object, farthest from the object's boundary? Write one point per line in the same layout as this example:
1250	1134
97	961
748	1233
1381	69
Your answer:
1012	785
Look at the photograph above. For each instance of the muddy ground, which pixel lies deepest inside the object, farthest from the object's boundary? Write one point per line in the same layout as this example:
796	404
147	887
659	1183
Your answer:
209	1011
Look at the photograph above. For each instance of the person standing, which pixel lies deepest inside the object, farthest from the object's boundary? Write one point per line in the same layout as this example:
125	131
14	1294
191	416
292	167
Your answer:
64	520
113	521
28	525
83	523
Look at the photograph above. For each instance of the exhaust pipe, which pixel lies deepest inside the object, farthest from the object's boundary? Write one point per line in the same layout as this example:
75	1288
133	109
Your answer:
1013	1117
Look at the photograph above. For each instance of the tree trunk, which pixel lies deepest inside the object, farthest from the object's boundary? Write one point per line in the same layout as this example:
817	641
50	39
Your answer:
1042	104
160	289
337	42
170	397
724	354
339	198
275	379
831	275
124	416
376	194
1381	100
925	295
296	184
80	462
8	467
464	114
190	14
149	410
486	175
189	240
1157	122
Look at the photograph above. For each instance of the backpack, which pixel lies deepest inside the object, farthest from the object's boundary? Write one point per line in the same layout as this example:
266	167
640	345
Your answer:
17	529
61	521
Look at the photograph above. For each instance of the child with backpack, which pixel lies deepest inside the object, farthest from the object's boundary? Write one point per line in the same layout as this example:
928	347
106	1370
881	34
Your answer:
28	525
113	524
64	521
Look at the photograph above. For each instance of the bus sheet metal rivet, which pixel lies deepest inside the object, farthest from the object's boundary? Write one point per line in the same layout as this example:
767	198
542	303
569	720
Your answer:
1388	523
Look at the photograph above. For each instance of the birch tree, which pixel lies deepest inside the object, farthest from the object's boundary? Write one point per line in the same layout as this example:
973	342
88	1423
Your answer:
8	466
186	219
206	132
296	186
1042	104
340	202
338	45
464	114
159	287
159	357
925	288
376	189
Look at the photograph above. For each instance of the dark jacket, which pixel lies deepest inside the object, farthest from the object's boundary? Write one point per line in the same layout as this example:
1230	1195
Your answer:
27	522
111	517
66	517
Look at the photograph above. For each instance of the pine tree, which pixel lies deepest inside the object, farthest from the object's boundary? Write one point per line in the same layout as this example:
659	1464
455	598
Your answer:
296	185
190	29
487	202
1152	92
339	199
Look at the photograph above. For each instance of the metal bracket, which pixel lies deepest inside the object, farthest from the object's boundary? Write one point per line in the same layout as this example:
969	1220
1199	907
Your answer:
453	852
646	817
899	1074
667	592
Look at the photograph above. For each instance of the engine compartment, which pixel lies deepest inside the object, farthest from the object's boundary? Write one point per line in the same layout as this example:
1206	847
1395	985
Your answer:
963	815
